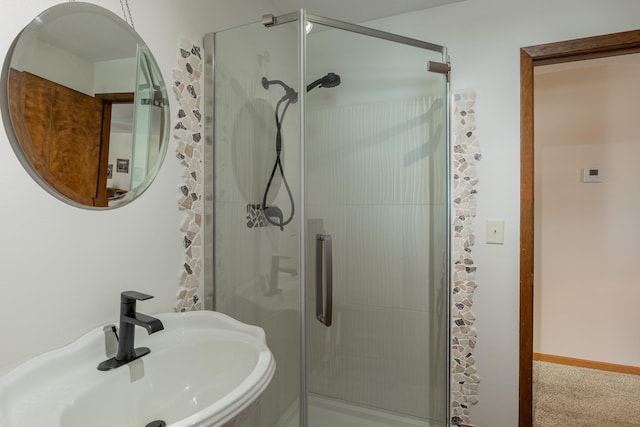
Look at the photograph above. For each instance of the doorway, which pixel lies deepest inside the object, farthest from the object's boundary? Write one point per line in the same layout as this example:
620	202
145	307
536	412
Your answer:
553	53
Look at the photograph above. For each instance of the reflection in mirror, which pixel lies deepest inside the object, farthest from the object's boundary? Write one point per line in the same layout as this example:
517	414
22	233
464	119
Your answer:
120	146
85	106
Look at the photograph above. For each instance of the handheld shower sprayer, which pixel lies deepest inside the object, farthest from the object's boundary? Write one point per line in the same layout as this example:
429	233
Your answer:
273	214
328	81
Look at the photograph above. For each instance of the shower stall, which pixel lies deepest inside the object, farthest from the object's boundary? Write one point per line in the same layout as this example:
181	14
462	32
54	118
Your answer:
327	218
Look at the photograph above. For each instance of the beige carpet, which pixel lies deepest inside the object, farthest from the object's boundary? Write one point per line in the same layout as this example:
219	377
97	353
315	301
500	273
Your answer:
570	396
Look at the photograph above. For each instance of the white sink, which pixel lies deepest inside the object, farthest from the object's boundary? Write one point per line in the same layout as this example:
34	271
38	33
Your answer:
204	369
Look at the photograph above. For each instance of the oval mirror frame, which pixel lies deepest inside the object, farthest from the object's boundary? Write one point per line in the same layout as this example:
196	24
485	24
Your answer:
58	115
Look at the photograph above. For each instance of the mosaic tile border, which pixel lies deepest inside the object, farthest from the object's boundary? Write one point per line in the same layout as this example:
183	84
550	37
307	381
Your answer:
465	154
255	216
190	153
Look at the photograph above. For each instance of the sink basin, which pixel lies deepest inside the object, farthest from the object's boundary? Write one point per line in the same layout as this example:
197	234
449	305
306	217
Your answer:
204	369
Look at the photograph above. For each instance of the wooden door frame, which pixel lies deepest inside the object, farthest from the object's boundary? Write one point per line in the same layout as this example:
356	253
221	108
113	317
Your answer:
551	53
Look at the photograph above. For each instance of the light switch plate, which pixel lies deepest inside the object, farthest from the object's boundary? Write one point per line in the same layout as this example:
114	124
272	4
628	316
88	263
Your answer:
495	231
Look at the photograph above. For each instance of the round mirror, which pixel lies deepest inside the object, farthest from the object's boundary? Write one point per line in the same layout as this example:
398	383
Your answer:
84	106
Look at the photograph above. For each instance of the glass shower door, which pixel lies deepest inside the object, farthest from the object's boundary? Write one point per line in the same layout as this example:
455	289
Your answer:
149	123
376	181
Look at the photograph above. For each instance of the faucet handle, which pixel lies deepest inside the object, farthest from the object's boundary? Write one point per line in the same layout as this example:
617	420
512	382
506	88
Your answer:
132	296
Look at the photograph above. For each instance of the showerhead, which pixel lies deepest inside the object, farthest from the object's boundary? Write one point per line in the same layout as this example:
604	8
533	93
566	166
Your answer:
328	81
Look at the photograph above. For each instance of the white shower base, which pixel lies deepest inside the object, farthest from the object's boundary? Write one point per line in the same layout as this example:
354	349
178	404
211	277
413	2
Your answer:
324	411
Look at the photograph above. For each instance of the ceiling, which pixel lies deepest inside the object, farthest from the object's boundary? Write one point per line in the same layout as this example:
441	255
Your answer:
355	11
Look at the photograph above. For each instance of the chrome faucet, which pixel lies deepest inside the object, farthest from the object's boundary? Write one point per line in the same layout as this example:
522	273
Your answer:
128	321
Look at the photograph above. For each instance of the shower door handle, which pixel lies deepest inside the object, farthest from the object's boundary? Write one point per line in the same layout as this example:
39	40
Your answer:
324	258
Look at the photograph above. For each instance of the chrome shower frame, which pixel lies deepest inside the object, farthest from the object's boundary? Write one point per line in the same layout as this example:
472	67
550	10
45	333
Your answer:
302	17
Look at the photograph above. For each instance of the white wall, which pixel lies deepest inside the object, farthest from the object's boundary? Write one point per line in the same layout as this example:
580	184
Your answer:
62	268
118	75
484	37
586	240
55	64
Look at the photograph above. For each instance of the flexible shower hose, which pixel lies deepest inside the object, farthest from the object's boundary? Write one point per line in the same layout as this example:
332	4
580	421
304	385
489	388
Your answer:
273	211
